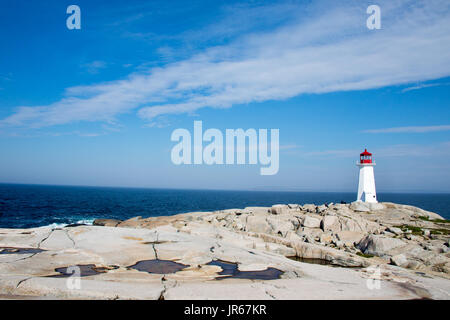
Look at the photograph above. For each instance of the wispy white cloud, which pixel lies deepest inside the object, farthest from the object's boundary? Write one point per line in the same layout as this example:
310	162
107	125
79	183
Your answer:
94	67
417	129
424	85
414	150
54	134
6	77
289	147
325	50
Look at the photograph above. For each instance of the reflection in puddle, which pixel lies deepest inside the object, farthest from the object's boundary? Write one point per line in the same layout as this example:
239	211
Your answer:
158	266
12	250
85	270
230	270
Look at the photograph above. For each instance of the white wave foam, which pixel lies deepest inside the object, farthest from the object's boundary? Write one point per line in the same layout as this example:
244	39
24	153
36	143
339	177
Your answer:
55	225
88	222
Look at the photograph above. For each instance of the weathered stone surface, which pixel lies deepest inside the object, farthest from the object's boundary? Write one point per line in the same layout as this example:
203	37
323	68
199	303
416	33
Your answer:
311	222
379	245
258	224
395	230
279	209
281	225
330	223
399	260
376	206
349	237
366	206
313	251
325	237
57	240
309	207
359	206
130	223
106	222
254	238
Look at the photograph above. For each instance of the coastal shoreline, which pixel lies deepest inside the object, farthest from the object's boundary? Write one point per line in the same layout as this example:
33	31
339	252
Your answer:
250	253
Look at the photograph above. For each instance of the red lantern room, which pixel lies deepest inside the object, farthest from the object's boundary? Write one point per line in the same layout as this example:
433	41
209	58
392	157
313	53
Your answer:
365	157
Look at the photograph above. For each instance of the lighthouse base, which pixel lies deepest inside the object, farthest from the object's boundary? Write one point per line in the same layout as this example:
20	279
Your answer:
366	186
367	197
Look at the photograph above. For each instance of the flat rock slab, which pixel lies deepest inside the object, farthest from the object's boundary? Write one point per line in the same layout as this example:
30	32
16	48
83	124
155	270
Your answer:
105	254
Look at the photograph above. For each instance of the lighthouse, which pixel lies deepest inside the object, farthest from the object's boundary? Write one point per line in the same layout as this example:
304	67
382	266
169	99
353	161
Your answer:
366	186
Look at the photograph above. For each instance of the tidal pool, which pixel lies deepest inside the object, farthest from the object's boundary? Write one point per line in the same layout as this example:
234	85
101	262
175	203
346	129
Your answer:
318	261
158	266
85	270
230	270
13	250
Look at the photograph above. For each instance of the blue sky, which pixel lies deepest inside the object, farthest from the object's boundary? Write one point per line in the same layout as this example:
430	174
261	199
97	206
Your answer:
97	106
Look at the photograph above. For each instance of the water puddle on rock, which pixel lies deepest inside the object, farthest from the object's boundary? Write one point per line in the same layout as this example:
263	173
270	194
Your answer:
318	261
85	270
158	266
12	250
230	270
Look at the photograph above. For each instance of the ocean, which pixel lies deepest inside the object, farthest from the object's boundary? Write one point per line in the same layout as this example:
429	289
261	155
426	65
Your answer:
27	206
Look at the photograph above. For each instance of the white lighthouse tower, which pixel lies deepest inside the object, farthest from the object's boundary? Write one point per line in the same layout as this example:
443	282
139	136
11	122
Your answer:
366	186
